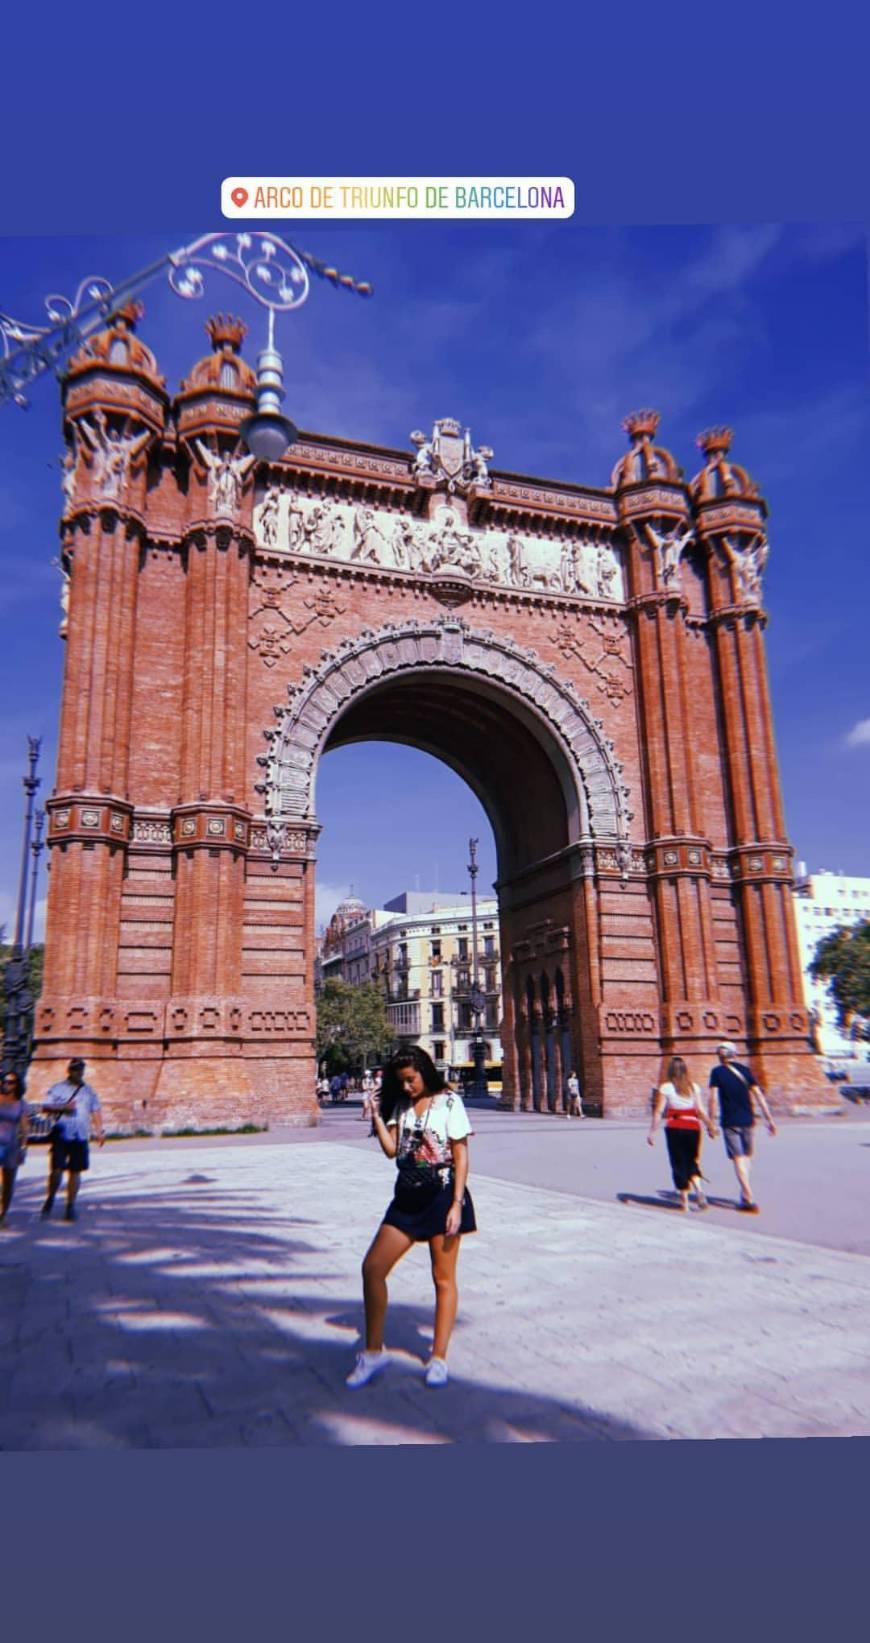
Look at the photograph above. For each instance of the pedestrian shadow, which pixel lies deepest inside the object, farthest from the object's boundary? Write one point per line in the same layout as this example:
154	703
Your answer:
198	1320
662	1200
665	1199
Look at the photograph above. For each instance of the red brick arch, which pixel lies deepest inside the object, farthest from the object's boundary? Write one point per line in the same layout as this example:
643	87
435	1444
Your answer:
595	798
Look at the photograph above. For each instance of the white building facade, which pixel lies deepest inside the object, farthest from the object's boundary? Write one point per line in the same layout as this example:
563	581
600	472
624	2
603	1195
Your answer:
825	902
419	949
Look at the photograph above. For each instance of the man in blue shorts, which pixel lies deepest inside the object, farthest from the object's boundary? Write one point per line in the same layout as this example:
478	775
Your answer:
73	1103
734	1090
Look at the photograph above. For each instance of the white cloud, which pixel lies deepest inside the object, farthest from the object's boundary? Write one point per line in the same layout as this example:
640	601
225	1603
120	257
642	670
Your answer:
859	735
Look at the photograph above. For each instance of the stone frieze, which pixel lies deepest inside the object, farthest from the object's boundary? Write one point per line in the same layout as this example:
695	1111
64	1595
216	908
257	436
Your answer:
575	564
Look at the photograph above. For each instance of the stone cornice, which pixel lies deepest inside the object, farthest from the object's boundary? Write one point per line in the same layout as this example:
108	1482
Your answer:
84	514
212	824
222	530
730	615
93	818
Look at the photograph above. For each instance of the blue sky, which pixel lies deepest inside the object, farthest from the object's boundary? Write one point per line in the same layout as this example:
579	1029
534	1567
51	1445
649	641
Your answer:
541	338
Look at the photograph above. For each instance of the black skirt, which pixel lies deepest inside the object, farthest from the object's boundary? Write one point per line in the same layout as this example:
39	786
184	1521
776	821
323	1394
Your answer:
683	1147
423	1224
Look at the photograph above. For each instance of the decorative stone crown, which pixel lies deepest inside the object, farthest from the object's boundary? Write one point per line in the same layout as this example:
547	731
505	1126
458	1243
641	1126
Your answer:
719	477
644	460
226	331
715	440
640	423
226	334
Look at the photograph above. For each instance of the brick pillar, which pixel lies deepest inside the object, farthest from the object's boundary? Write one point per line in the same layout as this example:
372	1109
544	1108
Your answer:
211	831
761	870
678	853
730	521
511	1084
114	410
89	811
524	1052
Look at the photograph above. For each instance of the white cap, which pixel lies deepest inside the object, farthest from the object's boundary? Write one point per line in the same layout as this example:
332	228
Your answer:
727	1048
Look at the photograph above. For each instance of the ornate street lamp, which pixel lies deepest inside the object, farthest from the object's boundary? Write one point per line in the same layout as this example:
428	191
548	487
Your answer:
274	273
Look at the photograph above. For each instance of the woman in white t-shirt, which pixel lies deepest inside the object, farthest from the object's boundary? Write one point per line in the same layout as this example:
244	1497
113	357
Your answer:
679	1100
424	1126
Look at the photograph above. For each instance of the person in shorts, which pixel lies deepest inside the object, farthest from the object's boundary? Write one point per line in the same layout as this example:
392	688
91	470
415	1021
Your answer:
734	1090
423	1125
573	1098
74	1103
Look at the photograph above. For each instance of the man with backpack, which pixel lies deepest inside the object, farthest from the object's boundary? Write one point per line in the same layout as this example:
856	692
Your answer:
734	1091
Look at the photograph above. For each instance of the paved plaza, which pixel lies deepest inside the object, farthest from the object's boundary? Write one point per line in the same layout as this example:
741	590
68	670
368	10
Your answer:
209	1294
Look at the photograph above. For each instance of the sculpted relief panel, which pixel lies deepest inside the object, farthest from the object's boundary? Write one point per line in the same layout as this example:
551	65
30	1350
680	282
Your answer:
287	522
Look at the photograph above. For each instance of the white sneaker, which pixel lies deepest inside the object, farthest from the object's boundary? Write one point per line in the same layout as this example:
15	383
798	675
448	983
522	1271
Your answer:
367	1366
436	1372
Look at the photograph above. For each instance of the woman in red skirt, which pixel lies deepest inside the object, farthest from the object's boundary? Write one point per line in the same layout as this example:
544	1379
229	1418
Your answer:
679	1101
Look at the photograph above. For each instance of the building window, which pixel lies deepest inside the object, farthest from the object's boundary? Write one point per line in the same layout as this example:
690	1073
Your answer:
436	983
435	930
435	952
229	375
437	1018
438	1049
463	947
488	946
119	352
463	978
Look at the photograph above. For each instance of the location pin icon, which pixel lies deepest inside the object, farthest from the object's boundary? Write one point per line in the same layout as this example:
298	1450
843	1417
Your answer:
239	197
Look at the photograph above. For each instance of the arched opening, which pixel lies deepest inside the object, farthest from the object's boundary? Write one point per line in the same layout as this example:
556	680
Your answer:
534	756
394	907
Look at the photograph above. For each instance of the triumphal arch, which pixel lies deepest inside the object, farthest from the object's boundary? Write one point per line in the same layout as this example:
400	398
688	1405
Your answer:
591	661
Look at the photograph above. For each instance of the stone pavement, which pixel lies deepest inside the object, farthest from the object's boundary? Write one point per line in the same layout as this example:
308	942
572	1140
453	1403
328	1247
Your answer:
209	1295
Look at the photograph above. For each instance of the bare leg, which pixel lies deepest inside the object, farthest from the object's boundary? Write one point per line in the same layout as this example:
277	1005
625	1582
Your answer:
444	1253
54	1176
73	1182
741	1170
8	1189
387	1247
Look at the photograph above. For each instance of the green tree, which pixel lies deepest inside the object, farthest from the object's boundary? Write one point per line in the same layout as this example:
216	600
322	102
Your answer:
843	959
352	1025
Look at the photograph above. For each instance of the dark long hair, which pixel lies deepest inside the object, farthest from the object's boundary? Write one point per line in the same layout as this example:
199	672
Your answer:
19	1086
392	1094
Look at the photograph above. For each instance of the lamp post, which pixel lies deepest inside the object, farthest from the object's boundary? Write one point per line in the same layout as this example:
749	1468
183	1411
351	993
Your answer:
18	996
477	996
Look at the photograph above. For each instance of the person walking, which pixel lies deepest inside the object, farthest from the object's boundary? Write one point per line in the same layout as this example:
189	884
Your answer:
74	1103
679	1100
734	1089
423	1124
573	1101
13	1135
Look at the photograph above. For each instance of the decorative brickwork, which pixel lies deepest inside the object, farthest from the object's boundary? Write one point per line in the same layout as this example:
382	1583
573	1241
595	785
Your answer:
603	692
